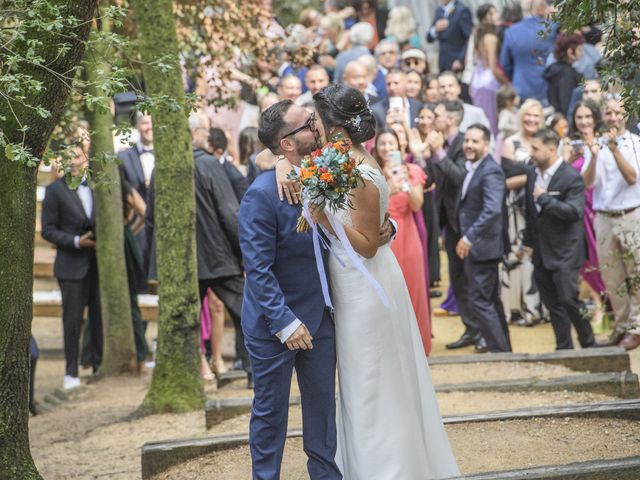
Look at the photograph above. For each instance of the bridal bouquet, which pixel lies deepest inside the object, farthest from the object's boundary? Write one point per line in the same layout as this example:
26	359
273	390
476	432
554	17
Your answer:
327	176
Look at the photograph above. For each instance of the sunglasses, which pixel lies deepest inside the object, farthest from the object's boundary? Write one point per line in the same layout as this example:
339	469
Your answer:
310	124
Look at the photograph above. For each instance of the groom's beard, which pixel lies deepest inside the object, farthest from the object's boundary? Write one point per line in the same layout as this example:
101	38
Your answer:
305	148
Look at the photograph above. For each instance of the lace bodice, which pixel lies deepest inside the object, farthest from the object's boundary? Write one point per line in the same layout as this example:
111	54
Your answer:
372	176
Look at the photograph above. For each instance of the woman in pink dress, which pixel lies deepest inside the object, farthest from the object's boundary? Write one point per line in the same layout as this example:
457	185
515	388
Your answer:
406	183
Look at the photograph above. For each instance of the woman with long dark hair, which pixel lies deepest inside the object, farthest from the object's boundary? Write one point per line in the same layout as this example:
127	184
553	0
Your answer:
585	123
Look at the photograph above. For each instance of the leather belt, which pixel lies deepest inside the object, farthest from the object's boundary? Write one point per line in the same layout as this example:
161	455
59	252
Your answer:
616	213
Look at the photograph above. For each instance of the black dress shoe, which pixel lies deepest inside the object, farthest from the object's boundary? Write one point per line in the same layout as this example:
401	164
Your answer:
481	346
464	341
435	293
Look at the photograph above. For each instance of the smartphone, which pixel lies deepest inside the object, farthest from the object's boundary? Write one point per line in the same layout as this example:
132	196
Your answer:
395	159
577	145
396	103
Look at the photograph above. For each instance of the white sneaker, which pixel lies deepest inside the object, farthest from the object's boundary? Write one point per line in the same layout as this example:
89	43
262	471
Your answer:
71	382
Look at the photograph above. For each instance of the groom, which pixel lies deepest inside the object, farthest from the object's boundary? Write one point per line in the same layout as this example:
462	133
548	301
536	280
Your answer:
284	318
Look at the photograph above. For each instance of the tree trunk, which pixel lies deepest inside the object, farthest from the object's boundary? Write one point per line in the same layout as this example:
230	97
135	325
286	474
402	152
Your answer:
176	383
17	228
119	355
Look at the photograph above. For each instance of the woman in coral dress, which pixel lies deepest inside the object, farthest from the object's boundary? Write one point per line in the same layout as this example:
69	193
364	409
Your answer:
406	184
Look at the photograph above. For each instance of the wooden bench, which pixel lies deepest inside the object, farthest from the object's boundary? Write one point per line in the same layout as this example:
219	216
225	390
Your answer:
49	304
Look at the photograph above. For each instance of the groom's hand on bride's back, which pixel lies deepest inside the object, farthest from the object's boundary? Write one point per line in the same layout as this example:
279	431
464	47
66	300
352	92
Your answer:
387	231
300	339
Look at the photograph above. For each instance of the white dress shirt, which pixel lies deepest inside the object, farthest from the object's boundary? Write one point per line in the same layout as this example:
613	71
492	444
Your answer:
543	178
147	160
86	198
611	192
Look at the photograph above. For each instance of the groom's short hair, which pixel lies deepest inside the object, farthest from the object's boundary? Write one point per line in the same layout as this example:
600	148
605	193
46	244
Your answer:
271	125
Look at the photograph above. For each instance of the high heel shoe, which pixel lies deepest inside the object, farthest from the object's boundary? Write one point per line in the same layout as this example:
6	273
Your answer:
218	367
205	371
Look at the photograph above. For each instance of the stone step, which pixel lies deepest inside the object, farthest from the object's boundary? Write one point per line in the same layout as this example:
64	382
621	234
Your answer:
589	359
611	384
43	258
160	456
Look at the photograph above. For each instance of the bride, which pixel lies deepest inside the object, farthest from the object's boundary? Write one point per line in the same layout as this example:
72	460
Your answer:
389	424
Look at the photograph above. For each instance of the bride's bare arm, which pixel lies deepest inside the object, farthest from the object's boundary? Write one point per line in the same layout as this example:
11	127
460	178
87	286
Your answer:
266	160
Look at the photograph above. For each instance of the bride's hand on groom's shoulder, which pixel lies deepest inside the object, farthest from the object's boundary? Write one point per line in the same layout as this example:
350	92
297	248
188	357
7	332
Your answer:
300	339
286	187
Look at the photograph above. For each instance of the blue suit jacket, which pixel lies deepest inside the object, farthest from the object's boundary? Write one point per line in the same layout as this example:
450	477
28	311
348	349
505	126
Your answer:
453	40
524	54
480	212
282	281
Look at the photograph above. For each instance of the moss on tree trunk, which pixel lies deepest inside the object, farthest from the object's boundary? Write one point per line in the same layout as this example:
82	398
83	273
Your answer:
176	383
119	355
17	230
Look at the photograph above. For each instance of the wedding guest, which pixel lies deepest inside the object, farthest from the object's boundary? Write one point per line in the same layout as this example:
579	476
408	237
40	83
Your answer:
412	151
431	92
361	35
613	172
248	147
217	146
315	79
370	12
418	137
525	48
555	232
415	85
406	182
519	292
451	90
481	245
396	82
507	101
487	75
68	221
401	27
451	28
586	121
449	163
560	76
289	87
387	52
415	59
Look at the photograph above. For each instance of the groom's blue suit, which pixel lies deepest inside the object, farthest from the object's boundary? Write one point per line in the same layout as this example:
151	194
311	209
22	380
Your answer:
283	284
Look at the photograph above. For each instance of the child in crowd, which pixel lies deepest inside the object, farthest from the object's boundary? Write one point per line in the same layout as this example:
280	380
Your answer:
508	102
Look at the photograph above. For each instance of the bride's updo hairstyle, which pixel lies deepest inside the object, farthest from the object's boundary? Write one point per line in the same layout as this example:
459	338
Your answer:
343	106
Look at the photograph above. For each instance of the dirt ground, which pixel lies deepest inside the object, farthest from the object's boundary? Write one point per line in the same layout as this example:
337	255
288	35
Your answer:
89	437
479	447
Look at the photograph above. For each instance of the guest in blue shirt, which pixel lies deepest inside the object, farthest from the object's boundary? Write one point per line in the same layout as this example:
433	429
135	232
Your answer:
524	52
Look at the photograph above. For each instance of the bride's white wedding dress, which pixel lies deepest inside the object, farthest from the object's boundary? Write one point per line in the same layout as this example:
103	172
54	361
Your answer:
389	424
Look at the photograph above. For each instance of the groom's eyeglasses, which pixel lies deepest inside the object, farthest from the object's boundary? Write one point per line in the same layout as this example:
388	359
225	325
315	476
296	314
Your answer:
310	124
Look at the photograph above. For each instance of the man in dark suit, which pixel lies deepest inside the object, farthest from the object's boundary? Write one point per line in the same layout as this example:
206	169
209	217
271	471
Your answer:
481	226
555	232
68	219
137	167
397	104
448	167
217	243
451	27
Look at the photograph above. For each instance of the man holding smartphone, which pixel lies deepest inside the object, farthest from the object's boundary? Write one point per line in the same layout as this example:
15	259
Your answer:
404	107
614	174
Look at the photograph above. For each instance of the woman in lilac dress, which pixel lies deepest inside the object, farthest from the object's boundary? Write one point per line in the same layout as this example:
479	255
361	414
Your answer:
487	74
585	121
